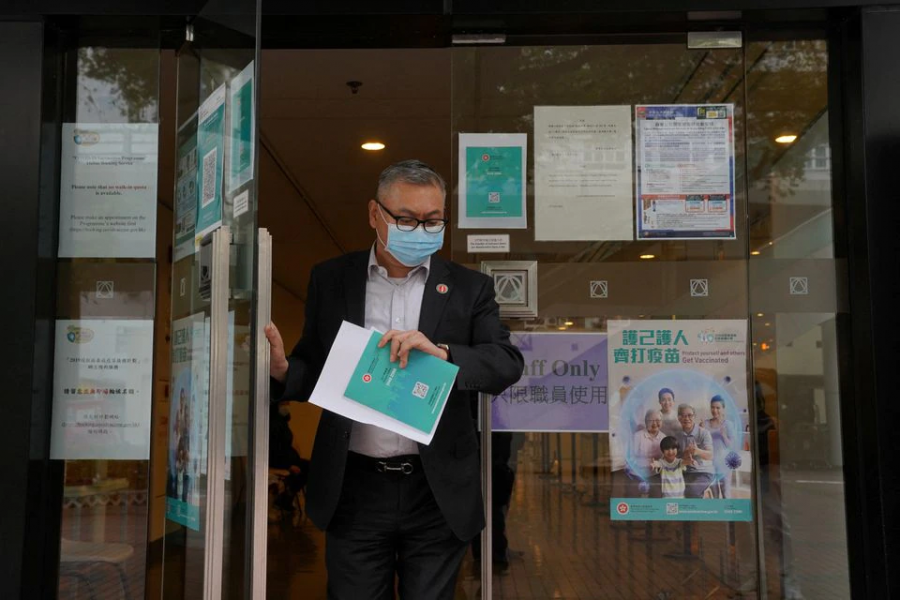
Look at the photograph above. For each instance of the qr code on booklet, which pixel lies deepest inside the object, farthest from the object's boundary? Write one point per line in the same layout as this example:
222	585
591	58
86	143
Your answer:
671	508
209	177
420	390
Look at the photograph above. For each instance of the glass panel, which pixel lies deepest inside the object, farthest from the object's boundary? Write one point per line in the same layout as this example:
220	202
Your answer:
794	303
553	483
106	306
310	124
215	186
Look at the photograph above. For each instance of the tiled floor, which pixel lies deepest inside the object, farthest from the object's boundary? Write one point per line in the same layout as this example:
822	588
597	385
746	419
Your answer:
563	545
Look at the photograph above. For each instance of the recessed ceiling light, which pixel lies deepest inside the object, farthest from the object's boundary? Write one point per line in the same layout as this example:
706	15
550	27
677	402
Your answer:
648	256
373	146
562	328
788	138
569	323
755	252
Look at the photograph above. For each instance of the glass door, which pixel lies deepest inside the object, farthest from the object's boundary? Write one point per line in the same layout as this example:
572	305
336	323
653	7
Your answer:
661	238
208	542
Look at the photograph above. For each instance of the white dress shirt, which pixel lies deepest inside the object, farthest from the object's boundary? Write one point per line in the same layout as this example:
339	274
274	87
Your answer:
391	303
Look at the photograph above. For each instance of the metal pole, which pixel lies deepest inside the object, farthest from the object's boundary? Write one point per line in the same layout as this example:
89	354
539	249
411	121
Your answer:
259	431
487	478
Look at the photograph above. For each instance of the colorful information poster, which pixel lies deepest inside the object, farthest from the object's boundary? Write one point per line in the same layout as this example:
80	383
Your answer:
186	198
583	173
107	195
241	130
188	420
211	157
685	171
679	420
492	168
563	388
102	390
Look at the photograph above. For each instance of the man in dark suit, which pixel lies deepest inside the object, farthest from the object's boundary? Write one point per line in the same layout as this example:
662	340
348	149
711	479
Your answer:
390	506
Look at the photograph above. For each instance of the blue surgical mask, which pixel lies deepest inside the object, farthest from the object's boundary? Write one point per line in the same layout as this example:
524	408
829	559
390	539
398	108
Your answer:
411	248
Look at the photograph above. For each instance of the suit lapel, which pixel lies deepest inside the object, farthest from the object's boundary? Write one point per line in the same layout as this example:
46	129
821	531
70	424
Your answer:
438	289
355	278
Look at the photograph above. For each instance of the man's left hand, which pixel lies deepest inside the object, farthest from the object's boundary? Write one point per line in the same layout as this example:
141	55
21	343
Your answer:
403	341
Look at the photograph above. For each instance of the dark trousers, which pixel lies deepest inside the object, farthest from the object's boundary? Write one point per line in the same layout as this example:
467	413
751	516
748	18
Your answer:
388	524
696	483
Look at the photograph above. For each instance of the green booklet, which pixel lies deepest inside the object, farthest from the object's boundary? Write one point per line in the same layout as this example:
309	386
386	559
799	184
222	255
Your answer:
415	395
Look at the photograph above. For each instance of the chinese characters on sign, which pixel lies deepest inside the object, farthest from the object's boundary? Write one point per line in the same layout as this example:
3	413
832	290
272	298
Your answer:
679	420
188	419
563	388
101	390
685	171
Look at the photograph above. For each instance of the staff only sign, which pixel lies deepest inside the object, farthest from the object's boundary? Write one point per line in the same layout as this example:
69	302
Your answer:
679	420
563	387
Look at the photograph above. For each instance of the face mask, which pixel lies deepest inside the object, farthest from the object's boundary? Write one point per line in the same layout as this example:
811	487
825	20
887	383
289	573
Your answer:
411	248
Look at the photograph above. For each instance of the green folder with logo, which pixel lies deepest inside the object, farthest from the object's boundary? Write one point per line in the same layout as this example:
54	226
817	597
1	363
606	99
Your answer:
414	395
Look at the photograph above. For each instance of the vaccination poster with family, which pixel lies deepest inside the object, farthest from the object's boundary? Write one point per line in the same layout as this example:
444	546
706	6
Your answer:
679	420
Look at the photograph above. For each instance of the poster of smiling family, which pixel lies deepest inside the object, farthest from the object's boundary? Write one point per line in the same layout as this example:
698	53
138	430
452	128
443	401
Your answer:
679	420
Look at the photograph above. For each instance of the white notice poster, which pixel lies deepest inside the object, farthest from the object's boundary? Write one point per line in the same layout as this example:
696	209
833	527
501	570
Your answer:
102	384
107	197
583	174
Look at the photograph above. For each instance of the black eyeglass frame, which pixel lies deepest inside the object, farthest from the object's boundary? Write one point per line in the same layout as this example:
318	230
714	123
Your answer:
406	227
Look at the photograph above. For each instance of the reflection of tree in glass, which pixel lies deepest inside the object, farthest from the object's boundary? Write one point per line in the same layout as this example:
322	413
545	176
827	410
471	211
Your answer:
517	79
787	94
116	83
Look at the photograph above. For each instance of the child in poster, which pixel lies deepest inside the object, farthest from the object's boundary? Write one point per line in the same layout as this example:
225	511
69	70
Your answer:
700	367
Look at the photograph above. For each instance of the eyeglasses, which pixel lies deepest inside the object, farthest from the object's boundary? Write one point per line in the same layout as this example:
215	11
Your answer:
411	223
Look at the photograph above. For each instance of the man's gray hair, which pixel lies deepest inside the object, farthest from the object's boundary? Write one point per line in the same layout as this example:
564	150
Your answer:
413	172
650	413
684	407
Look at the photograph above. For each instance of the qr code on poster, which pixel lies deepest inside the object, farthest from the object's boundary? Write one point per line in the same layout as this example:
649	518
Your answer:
209	177
494	197
420	391
671	508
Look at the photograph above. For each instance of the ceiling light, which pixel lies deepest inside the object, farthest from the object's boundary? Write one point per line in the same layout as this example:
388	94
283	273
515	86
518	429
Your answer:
788	138
755	253
562	328
759	314
373	146
648	256
569	323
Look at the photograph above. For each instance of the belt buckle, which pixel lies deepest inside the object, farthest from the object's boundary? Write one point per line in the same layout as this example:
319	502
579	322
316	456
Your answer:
383	466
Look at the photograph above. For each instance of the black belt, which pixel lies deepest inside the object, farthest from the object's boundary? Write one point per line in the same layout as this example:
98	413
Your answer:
405	464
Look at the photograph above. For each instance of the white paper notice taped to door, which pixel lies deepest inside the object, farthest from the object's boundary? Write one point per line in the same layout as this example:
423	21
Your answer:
583	175
102	383
107	195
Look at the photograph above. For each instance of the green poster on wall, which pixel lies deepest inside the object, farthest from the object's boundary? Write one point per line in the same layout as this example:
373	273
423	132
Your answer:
492	181
186	192
241	129
211	157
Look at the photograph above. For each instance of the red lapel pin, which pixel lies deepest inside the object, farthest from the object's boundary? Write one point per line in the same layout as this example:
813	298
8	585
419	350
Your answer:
442	288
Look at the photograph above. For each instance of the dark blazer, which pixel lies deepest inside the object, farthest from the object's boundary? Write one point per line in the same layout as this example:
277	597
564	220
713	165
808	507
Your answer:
466	318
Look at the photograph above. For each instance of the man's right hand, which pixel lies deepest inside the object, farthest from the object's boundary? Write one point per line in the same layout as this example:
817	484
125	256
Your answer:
278	364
